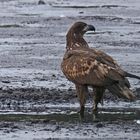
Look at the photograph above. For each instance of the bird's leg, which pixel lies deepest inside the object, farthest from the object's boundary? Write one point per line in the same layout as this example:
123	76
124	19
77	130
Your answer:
81	93
98	96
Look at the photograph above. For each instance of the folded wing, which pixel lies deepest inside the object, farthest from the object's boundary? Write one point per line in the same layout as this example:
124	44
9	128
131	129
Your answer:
85	67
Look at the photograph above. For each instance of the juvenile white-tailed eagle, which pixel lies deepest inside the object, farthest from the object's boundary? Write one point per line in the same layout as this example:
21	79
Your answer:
86	66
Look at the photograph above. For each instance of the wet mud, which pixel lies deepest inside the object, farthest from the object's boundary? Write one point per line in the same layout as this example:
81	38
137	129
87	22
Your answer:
36	100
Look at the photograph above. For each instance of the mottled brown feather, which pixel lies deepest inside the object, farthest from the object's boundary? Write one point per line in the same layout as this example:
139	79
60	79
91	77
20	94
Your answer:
84	67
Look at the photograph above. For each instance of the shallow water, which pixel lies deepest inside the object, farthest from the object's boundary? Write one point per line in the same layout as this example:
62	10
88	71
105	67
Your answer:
63	122
71	116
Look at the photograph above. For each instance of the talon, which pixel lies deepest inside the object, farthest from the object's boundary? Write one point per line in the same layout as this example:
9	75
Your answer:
95	108
82	111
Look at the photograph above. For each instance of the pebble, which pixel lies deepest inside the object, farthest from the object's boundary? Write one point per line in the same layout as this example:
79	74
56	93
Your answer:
41	2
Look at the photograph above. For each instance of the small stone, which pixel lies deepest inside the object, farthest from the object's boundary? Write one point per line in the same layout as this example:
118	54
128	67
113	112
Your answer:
62	85
85	134
99	125
5	82
53	75
41	2
81	12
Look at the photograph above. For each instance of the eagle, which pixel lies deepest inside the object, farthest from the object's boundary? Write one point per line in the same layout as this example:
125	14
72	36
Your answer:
89	67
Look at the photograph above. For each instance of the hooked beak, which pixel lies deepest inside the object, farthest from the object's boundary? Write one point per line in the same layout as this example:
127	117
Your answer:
89	28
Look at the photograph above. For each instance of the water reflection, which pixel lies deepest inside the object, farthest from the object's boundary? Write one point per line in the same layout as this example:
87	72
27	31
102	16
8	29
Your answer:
74	117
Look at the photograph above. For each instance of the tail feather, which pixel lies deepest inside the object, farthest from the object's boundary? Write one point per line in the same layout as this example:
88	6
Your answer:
122	91
131	75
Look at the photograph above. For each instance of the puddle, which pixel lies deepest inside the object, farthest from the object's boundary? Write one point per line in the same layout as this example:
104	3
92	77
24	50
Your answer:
66	113
67	124
89	6
29	15
78	6
10	26
73	117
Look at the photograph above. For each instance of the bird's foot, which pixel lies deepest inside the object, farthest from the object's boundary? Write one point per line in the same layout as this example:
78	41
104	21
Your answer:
95	109
81	112
95	114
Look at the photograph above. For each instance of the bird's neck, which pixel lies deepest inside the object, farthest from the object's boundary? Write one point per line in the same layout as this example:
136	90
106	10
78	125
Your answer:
75	41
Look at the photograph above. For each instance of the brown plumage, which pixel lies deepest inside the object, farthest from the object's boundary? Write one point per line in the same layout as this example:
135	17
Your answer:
86	66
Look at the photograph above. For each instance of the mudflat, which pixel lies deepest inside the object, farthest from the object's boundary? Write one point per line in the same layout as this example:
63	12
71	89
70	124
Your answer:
36	100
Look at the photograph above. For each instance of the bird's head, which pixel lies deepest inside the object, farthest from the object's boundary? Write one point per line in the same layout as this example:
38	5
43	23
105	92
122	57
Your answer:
80	28
75	34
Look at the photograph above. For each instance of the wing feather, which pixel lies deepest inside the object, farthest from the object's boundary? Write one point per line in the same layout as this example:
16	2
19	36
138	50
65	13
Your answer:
82	67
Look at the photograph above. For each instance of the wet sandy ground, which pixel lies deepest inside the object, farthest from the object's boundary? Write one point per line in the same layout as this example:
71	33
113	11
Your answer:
37	102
